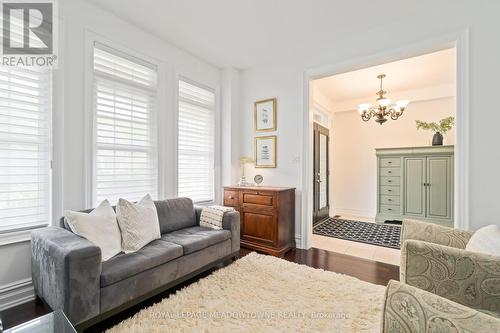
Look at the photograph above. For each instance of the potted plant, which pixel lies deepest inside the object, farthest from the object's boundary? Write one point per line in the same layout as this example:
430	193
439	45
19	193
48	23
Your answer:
439	129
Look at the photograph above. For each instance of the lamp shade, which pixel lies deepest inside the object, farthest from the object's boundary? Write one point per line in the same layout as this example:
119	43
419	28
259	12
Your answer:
364	107
402	103
384	102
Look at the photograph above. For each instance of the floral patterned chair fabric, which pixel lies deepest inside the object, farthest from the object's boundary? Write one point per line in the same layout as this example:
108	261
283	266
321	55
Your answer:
408	309
443	287
469	278
433	233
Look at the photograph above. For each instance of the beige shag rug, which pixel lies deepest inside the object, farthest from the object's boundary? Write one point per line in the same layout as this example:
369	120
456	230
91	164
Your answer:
259	293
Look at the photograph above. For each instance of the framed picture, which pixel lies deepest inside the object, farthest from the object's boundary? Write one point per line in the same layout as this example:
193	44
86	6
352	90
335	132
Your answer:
265	151
265	115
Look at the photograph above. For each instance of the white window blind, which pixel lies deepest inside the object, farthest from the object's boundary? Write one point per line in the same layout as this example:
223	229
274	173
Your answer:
124	126
25	147
196	142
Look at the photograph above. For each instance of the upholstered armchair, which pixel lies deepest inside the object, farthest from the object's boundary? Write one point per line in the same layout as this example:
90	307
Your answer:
443	287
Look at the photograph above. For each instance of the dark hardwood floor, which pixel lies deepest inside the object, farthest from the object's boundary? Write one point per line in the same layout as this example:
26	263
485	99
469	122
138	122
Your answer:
367	270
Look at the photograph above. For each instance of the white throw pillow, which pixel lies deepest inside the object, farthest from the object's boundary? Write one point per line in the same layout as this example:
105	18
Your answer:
138	223
485	240
99	226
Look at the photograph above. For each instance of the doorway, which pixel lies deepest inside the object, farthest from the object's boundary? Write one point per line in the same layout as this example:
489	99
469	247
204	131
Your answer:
358	196
321	173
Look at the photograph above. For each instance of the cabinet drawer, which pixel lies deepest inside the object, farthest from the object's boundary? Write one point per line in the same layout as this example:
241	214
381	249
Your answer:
390	209
390	162
389	190
389	181
231	198
390	172
262	199
390	199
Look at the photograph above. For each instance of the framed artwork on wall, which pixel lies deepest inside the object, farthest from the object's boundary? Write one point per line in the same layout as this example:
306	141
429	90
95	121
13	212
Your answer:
265	115
265	151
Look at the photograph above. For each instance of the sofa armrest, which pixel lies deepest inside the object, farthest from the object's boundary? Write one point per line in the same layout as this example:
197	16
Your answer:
465	277
231	222
409	309
66	271
434	233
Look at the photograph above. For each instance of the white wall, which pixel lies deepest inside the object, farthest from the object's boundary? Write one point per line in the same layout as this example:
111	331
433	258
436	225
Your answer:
353	166
79	19
284	79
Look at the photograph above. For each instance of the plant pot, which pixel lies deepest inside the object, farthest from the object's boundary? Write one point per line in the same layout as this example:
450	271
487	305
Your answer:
437	139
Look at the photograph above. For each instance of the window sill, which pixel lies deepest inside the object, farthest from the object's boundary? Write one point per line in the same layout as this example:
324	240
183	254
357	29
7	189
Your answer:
17	235
204	203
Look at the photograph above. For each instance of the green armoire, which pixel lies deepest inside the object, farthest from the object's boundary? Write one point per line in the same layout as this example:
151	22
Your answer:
415	182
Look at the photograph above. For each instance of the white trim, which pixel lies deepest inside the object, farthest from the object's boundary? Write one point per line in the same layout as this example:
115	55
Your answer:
459	40
13	237
16	293
298	239
368	214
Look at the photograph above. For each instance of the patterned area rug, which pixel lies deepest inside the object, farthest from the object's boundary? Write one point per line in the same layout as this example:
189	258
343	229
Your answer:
260	293
386	235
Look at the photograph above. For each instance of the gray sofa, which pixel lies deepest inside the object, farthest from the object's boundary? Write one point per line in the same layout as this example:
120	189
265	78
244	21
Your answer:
68	273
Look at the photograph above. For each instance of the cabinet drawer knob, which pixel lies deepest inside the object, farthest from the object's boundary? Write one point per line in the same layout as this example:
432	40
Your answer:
389	208
390	171
389	181
389	190
390	162
389	199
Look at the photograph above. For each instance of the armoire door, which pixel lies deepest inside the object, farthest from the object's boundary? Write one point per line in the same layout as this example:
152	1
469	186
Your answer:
439	187
413	186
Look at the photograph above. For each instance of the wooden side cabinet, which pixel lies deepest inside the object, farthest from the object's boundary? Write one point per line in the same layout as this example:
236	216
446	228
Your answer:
267	216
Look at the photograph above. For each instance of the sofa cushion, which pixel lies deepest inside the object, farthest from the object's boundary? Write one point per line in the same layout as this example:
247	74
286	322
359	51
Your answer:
126	265
196	238
175	214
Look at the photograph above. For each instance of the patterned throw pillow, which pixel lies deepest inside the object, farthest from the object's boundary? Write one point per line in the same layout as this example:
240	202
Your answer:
138	222
212	216
99	226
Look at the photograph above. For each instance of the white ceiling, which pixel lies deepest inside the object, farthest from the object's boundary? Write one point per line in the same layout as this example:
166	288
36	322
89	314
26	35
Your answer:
433	69
245	33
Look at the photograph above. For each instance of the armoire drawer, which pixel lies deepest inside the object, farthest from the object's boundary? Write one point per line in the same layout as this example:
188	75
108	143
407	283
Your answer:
390	162
389	181
390	172
390	199
390	209
389	190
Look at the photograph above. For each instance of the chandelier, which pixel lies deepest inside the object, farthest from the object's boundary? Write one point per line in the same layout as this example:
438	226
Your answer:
384	107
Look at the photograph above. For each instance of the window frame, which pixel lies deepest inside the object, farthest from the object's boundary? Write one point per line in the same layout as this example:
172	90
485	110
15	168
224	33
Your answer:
91	121
216	138
20	233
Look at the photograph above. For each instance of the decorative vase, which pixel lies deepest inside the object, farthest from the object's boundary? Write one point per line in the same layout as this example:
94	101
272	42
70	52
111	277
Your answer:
437	139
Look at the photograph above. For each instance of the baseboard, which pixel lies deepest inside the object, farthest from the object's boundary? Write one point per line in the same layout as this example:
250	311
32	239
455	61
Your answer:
369	214
16	293
298	241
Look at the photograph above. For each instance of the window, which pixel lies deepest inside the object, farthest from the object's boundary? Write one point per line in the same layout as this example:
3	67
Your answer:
25	147
196	142
125	144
